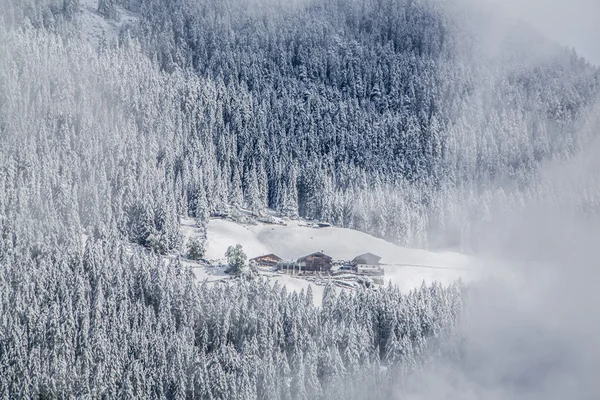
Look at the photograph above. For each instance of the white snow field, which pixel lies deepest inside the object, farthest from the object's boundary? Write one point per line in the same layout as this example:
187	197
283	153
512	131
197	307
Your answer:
407	268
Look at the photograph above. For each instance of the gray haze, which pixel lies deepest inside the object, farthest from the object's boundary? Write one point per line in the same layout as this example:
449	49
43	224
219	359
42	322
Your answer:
573	23
532	332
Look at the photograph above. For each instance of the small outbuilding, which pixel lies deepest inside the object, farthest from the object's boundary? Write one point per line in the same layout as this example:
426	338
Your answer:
367	264
269	260
315	262
366	259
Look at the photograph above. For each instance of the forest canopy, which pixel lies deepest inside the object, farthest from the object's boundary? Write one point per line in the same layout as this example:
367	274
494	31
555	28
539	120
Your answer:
387	116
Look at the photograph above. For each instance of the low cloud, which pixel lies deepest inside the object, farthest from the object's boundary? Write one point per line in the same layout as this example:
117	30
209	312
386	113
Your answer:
573	23
532	331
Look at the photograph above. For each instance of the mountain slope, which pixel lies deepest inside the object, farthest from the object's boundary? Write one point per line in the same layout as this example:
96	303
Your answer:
95	28
408	120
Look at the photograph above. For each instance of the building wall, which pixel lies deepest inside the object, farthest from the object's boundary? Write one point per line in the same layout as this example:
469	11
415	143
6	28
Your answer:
367	259
315	263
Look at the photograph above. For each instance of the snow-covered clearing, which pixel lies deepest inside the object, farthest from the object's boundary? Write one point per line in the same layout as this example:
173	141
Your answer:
407	268
222	234
291	242
94	26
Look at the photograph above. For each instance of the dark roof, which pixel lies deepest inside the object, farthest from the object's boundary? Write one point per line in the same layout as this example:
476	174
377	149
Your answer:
367	258
267	255
317	254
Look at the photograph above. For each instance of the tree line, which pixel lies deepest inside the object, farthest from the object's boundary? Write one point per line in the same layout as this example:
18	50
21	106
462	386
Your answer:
109	322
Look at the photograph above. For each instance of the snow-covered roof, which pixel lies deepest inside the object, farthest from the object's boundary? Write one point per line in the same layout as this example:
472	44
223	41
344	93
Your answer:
367	258
271	255
317	254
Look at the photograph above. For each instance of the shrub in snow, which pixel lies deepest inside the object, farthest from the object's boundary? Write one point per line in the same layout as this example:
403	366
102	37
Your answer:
236	258
195	249
157	243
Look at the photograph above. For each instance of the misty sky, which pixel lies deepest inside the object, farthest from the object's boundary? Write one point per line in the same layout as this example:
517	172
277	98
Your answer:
573	23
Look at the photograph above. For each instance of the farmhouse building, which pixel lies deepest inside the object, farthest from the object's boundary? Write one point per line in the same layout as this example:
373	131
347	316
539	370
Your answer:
366	259
316	262
269	260
367	264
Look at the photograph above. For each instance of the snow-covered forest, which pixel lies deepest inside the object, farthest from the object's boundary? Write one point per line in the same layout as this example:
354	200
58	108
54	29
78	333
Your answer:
113	325
387	116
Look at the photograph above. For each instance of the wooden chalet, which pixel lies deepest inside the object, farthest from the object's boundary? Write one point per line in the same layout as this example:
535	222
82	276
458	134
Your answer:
367	264
315	262
367	259
269	260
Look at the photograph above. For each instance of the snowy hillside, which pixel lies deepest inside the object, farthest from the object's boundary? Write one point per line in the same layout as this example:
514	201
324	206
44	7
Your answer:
94	26
407	268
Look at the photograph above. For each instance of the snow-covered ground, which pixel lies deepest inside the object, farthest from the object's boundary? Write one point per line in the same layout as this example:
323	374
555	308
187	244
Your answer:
221	234
94	26
407	268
